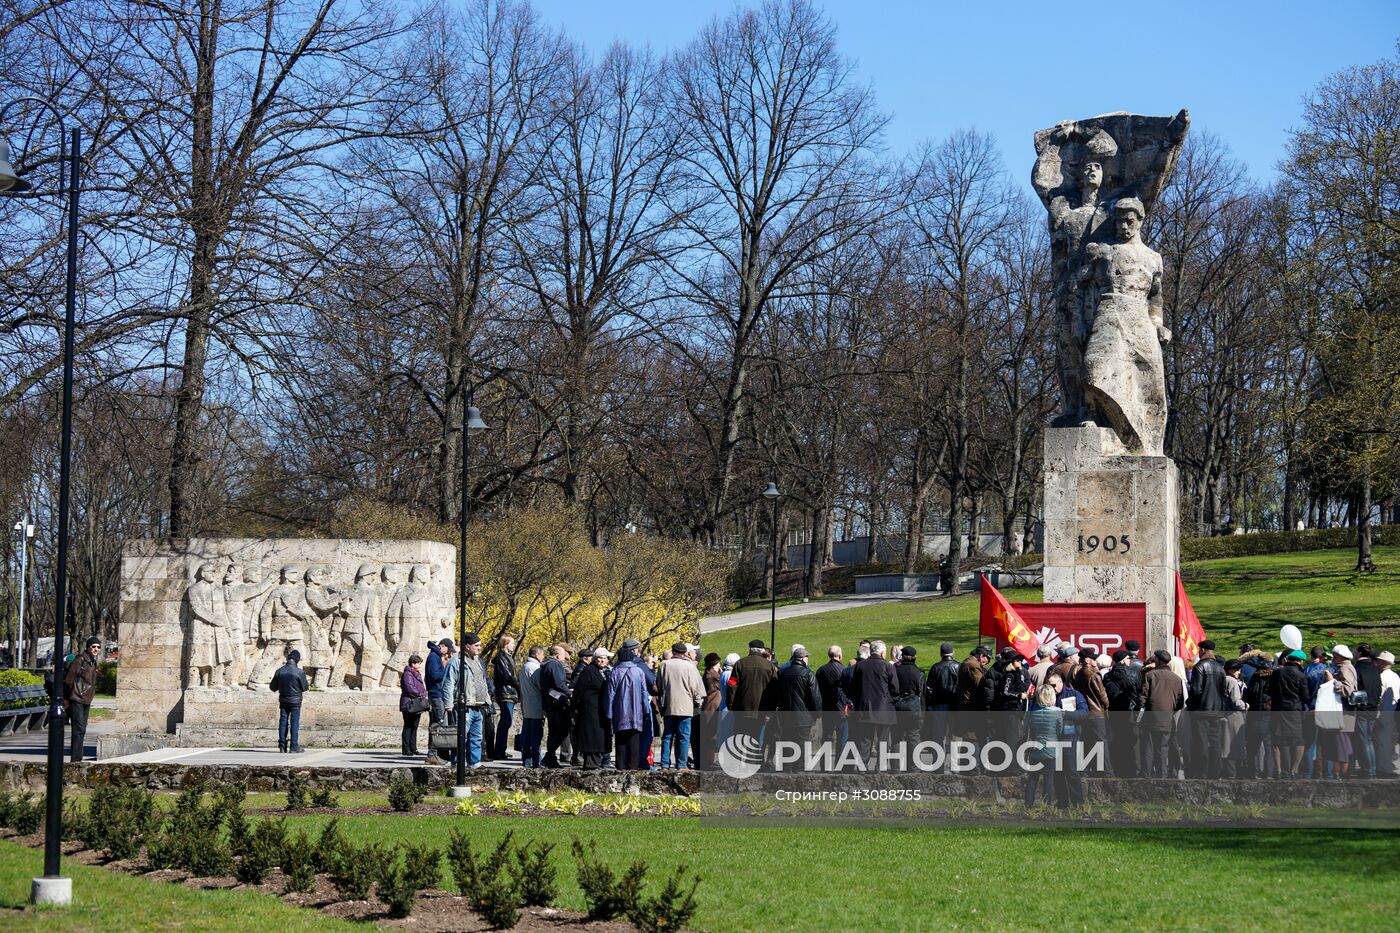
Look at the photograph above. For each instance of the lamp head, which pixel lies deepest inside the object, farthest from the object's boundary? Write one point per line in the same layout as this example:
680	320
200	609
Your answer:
474	422
771	491
10	182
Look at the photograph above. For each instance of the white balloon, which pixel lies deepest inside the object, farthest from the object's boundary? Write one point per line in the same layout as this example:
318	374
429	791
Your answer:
1291	637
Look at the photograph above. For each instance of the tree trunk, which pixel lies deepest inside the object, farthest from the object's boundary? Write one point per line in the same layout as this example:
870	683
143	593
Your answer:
1364	563
821	533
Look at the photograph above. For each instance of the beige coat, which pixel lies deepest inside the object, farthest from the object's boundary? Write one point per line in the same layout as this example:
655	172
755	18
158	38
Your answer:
682	690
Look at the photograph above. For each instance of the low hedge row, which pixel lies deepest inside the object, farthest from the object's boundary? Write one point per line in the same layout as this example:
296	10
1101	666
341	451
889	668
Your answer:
1259	543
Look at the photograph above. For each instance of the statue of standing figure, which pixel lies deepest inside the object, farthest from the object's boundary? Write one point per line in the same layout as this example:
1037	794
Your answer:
1083	168
406	623
244	588
359	658
322	633
211	648
282	625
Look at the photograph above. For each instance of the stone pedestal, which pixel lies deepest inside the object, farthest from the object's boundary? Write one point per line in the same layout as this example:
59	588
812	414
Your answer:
1111	526
329	718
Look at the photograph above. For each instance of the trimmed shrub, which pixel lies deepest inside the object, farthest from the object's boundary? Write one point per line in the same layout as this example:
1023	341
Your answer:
75	826
329	847
395	887
607	895
24	814
671	910
470	874
324	797
266	849
119	820
536	875
300	864
297	797
423	865
497	899
228	802
404	794
358	870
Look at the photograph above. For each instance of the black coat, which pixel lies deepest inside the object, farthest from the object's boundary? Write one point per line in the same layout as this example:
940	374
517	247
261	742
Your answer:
1208	693
797	693
554	677
1124	685
589	713
289	683
1288	689
830	684
941	688
874	686
503	676
909	693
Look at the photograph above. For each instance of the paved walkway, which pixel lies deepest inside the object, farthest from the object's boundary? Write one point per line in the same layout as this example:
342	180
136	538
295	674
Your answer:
34	746
794	610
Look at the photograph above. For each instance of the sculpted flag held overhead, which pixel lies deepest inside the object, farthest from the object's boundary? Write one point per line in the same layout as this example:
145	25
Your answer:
1003	621
1189	633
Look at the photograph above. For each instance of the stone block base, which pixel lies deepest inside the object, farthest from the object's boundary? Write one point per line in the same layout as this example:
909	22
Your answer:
1112	527
216	716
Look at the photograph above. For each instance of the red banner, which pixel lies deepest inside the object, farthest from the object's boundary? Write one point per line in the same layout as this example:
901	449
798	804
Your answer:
1189	633
1105	627
1001	619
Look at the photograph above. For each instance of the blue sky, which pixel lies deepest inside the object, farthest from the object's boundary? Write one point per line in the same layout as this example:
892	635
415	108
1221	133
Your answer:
1010	67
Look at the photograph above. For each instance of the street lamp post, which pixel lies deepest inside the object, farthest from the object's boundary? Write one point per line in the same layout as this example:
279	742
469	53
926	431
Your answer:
26	533
771	493
52	888
471	423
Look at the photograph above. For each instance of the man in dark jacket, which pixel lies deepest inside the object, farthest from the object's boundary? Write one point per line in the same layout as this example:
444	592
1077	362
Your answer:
941	692
554	696
289	683
1367	707
875	685
1209	702
830	678
79	689
909	696
750	680
1123	683
798	698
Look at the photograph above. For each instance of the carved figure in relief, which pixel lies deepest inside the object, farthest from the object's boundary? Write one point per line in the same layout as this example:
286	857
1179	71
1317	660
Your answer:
244	589
211	651
359	655
406	623
322	633
282	624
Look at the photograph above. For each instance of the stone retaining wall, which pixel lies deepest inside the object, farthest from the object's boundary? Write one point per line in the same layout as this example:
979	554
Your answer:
1378	795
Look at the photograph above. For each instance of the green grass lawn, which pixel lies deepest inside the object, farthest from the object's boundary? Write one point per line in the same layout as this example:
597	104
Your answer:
111	901
817	877
1238	599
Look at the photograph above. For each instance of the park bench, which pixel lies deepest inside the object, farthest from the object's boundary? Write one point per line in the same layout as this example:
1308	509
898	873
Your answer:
30	709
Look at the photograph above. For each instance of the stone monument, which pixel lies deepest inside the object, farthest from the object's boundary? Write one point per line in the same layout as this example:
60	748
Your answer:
205	622
1111	496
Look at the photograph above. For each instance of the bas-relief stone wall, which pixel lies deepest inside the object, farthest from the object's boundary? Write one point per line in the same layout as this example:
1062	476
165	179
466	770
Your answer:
206	622
1111	526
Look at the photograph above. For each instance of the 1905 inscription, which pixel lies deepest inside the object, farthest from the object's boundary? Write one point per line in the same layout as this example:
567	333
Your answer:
1113	544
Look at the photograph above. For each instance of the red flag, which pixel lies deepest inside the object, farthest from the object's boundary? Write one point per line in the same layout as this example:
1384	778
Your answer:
1001	620
1189	633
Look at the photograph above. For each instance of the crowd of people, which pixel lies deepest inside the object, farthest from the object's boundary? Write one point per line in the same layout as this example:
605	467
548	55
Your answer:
1326	713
